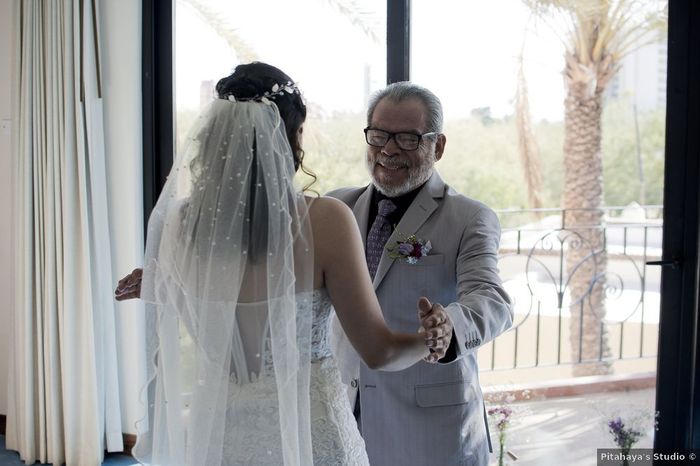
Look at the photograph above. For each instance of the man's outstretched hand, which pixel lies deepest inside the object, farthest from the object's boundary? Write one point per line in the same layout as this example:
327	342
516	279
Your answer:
437	326
129	287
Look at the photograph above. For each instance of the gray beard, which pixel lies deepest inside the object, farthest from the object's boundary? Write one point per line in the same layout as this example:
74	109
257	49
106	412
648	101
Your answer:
416	177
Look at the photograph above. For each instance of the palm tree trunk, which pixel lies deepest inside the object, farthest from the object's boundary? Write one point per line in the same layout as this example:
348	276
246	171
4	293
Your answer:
586	256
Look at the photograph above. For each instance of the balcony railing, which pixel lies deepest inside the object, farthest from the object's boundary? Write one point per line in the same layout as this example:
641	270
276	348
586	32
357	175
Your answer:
544	257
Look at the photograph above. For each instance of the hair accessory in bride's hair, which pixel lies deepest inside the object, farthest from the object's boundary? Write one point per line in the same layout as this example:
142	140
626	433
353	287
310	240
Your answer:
289	88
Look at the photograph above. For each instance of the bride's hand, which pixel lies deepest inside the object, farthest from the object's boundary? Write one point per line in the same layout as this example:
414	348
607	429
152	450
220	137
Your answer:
437	327
129	287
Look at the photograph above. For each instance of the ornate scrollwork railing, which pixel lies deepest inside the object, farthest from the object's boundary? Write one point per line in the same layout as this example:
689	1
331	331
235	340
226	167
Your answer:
582	294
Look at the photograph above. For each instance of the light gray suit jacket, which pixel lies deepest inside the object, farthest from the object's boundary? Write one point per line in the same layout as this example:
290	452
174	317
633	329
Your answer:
431	414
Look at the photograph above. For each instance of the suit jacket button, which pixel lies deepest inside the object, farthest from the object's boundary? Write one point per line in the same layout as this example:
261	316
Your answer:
353	383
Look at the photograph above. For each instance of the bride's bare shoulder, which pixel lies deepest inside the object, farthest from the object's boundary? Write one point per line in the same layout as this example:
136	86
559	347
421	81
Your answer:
323	206
329	214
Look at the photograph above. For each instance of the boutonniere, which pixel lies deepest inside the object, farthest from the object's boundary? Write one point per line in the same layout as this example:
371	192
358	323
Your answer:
410	249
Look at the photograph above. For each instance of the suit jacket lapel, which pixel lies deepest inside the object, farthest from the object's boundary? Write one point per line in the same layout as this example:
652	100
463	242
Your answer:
361	211
420	209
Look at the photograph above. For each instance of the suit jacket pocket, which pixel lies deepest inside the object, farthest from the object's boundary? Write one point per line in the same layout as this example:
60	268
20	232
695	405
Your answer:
443	394
430	259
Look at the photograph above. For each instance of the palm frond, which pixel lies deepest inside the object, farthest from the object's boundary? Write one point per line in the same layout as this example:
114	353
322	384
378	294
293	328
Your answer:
601	28
220	25
359	17
527	145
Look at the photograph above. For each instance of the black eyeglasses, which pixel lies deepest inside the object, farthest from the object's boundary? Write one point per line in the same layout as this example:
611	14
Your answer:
405	141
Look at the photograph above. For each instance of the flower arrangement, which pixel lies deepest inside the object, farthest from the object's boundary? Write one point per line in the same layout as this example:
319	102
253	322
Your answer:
628	424
410	249
625	437
501	416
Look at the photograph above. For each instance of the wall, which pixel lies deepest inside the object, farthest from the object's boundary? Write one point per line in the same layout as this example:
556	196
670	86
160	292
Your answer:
121	60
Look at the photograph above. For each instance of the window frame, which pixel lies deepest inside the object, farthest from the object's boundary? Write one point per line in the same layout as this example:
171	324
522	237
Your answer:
678	372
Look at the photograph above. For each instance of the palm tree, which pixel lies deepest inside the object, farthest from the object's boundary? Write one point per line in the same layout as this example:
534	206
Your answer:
597	34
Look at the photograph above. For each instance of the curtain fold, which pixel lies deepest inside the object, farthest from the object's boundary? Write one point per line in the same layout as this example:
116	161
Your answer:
64	392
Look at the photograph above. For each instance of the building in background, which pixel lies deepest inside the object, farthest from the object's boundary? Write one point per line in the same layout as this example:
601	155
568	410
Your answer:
642	78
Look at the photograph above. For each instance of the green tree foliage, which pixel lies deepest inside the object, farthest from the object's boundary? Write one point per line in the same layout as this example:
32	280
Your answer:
620	161
481	159
334	150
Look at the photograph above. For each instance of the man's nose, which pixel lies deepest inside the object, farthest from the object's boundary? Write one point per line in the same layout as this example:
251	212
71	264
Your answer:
391	148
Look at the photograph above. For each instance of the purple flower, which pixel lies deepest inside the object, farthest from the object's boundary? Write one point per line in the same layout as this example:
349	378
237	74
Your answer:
410	249
405	249
502	415
624	437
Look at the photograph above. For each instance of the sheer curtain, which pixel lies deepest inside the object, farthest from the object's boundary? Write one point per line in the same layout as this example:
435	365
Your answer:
63	396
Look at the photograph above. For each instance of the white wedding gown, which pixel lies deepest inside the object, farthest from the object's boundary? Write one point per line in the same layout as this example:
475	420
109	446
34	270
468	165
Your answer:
335	437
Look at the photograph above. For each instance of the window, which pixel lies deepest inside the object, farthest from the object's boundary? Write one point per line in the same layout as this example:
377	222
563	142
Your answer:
335	53
437	57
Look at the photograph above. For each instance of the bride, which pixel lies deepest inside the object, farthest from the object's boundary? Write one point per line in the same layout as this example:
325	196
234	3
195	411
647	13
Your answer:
240	273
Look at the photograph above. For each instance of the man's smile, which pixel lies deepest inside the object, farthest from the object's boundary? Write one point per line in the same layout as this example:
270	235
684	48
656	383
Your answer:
391	166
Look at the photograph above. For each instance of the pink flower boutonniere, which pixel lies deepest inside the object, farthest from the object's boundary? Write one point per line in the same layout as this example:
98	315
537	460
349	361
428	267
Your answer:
410	249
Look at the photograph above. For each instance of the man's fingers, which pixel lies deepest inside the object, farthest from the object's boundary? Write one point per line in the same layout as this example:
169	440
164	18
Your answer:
424	307
121	287
129	287
129	293
432	321
127	281
436	318
434	357
437	343
133	279
441	330
438	329
124	296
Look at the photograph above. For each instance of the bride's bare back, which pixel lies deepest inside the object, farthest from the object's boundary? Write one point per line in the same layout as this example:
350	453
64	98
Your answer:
340	267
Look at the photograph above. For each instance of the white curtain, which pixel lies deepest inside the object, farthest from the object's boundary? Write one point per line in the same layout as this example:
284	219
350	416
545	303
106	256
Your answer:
64	394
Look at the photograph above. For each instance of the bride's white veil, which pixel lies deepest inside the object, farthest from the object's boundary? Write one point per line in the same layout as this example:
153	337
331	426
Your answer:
228	277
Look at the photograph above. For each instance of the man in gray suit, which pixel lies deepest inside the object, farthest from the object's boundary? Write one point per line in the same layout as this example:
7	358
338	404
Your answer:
433	412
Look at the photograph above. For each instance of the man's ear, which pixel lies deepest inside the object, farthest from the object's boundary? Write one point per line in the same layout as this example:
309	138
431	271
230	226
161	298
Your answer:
440	146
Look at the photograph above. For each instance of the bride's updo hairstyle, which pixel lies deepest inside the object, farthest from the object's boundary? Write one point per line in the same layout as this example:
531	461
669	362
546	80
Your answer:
251	81
261	82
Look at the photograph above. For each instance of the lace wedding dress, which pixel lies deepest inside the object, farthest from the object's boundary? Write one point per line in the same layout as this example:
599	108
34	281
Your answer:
334	434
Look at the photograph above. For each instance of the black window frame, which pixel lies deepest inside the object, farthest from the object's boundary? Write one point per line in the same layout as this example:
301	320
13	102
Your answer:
678	362
158	101
678	374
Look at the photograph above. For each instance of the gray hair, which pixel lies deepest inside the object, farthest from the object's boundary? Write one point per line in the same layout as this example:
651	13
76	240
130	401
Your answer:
405	90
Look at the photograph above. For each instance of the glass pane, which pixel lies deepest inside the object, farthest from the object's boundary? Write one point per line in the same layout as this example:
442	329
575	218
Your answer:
335	51
582	351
